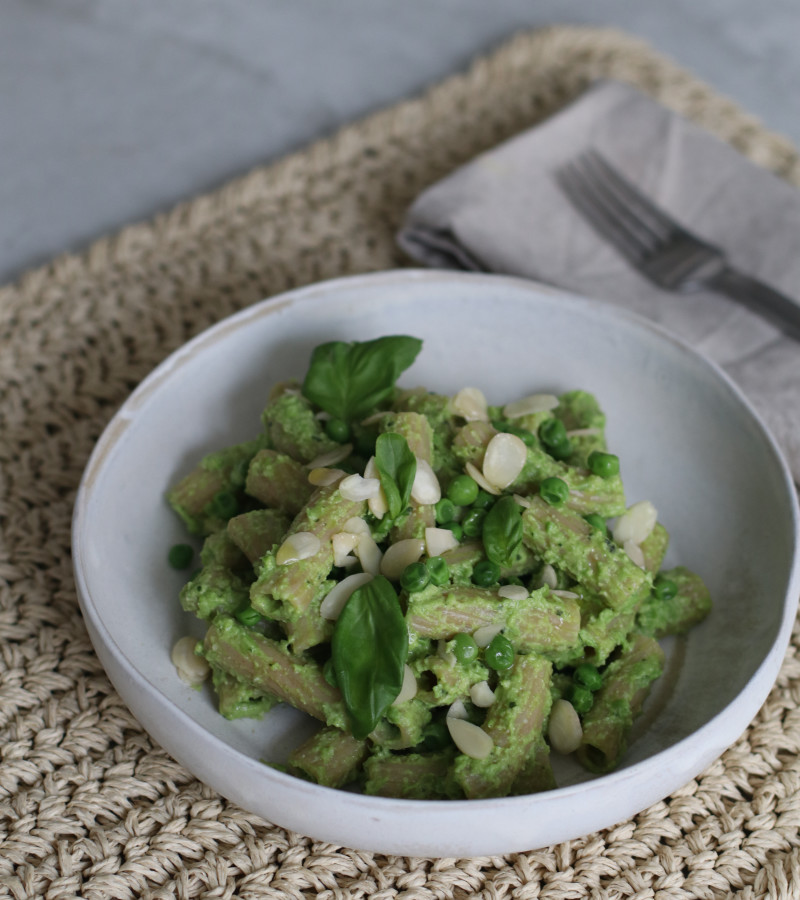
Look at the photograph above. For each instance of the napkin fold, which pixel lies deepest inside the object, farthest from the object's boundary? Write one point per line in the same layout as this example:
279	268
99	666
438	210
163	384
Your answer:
504	212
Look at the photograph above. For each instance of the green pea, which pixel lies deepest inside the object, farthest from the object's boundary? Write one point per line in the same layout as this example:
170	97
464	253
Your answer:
606	465
445	510
500	653
338	430
415	577
438	570
554	491
463	490
455	527
465	648
180	556
472	523
581	699
485	573
248	616
597	522
224	505
553	436
483	501
664	588
589	676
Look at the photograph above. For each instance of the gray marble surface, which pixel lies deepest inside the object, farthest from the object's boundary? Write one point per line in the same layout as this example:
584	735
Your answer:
113	110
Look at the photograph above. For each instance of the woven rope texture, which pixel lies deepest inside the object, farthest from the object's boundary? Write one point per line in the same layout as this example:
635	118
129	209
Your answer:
89	806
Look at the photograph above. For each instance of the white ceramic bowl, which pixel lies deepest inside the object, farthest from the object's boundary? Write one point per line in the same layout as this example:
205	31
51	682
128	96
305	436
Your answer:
687	439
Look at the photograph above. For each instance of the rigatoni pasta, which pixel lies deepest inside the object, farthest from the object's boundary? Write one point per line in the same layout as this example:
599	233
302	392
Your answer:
432	577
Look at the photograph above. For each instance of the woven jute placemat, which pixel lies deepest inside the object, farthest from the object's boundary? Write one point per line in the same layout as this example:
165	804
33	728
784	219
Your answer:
89	806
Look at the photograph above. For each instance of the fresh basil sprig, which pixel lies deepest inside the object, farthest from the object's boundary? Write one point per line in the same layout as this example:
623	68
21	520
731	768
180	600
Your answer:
502	530
396	466
369	650
350	380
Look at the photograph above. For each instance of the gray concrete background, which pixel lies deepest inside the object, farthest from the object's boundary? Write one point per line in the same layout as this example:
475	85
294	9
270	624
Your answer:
113	110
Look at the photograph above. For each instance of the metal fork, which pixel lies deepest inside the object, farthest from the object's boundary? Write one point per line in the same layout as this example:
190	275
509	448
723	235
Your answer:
661	249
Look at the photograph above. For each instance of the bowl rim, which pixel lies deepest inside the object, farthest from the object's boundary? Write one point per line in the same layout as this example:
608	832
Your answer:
766	672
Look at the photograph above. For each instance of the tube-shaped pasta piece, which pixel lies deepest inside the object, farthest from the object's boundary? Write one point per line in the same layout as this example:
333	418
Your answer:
293	428
580	412
278	481
220	550
257	531
214	590
437	410
654	548
418	433
564	539
311	628
265	664
676	615
541	622
442	680
588	493
238	700
413	776
514	722
403	725
223	470
330	757
286	591
536	774
626	683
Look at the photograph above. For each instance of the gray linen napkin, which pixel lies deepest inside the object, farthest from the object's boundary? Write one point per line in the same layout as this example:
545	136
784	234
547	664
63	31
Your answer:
504	212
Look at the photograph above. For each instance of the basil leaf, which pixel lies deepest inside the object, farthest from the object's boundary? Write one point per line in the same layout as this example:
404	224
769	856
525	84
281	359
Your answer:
369	649
350	380
396	466
502	530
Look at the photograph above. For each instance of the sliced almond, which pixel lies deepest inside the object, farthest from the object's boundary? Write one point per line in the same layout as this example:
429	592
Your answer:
343	543
475	472
533	403
522	501
356	525
333	602
426	489
548	576
457	710
565	595
331	457
369	554
400	555
409	689
513	592
301	545
504	459
378	504
356	487
564	729
439	541
481	694
635	553
192	669
486	634
636	523
470	739
470	404
323	477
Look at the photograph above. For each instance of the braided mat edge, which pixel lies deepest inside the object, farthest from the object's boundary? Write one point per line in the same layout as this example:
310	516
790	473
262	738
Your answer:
89	806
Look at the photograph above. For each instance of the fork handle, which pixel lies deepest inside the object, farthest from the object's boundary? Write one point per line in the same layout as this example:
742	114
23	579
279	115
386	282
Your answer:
760	298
